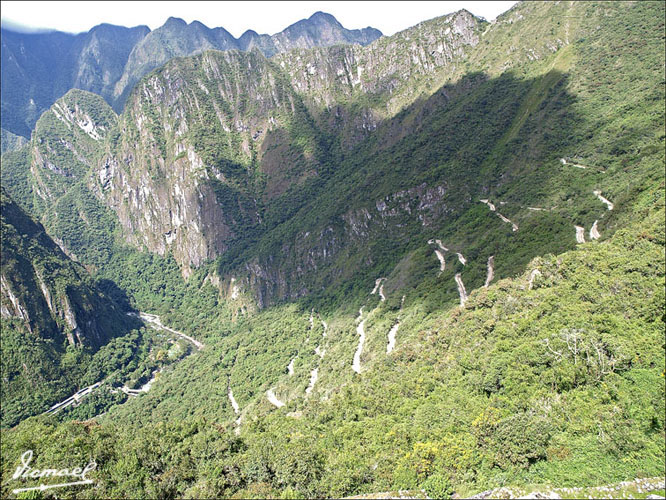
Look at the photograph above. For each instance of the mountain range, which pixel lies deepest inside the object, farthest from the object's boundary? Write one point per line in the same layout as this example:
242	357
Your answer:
108	60
328	263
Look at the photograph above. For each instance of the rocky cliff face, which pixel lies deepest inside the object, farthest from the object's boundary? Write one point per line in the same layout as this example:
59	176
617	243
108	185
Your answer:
382	78
210	145
222	147
51	177
66	143
208	140
387	66
202	140
311	259
109	60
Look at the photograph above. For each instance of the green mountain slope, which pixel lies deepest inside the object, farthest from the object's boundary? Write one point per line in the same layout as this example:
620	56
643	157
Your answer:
526	384
53	314
50	177
11	142
493	138
174	185
444	271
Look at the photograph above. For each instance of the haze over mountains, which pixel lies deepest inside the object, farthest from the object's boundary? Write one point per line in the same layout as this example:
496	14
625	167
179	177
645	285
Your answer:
430	262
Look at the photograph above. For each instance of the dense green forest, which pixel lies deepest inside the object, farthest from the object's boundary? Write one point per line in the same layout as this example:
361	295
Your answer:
495	349
519	387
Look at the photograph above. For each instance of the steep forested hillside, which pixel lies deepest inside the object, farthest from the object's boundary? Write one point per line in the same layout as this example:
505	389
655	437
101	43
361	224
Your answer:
53	317
434	263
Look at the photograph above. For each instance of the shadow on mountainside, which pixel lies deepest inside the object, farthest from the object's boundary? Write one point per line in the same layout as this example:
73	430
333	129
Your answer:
457	139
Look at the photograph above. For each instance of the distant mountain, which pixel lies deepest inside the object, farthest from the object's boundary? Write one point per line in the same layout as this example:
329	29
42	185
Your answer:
38	68
237	143
177	38
320	30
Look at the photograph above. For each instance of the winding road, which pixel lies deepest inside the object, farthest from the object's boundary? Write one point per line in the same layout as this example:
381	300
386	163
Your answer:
609	205
442	263
461	290
490	205
379	287
74	398
439	243
391	338
156	323
533	274
514	226
272	398
360	329
563	161
313	379
492	208
377	282
234	404
440	255
594	232
491	270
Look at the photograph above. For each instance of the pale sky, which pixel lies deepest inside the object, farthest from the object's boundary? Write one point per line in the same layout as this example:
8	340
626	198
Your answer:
235	16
